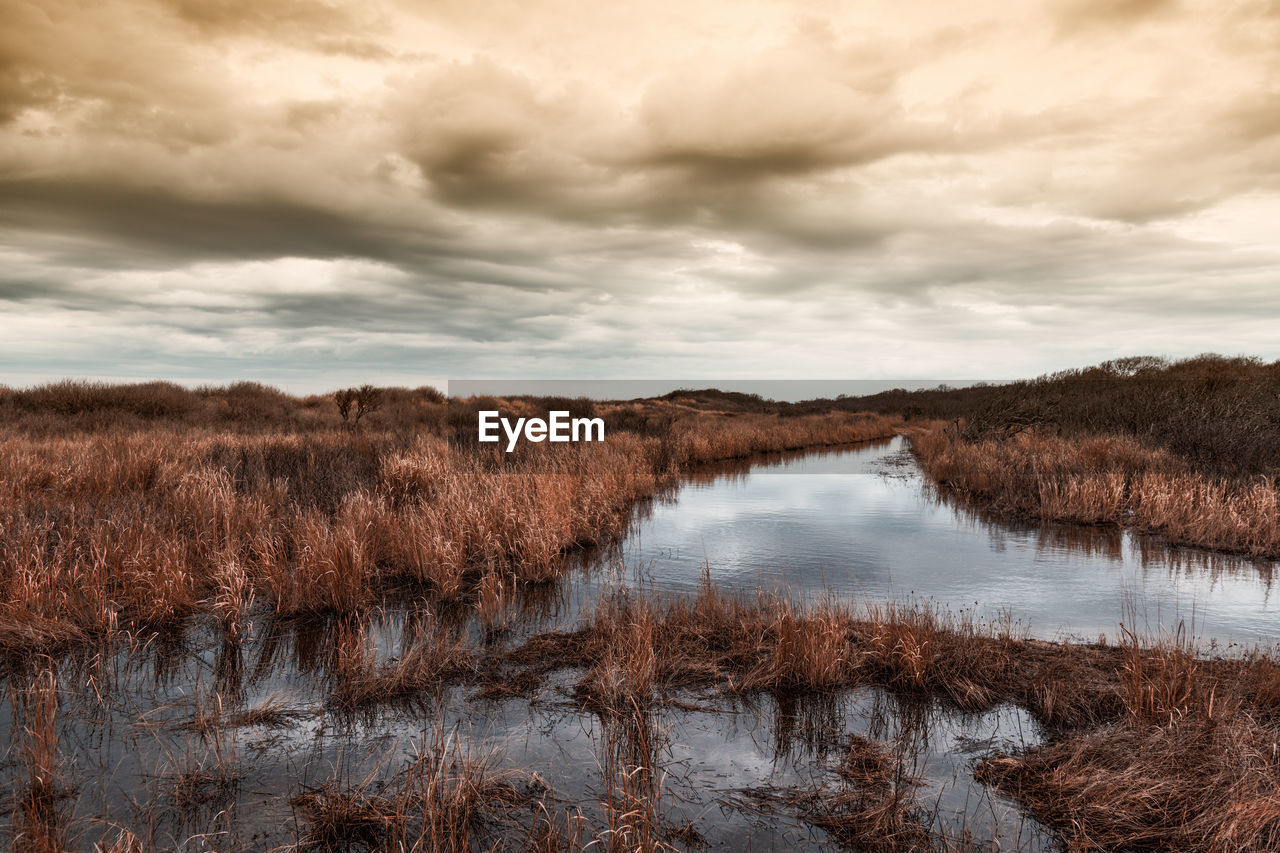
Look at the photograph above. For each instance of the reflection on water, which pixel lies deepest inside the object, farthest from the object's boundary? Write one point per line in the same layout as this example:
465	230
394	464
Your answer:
862	524
135	744
130	746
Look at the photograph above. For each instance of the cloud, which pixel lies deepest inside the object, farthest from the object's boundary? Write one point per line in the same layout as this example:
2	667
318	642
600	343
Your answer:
787	113
154	226
575	183
1085	15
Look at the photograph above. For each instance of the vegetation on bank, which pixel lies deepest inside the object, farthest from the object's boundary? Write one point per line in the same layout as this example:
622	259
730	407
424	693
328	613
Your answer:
131	508
1220	415
147	514
1148	747
1188	450
1106	480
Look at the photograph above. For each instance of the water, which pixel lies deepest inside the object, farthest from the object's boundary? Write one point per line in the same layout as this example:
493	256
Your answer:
862	525
718	757
857	524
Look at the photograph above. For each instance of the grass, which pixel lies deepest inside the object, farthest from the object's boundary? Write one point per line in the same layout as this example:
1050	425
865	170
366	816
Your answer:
138	523
632	648
1151	746
634	781
1203	783
39	824
1105	480
437	801
432	657
875	806
123	842
125	512
210	718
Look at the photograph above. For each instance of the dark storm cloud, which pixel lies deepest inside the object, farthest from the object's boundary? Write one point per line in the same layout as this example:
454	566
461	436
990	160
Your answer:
151	226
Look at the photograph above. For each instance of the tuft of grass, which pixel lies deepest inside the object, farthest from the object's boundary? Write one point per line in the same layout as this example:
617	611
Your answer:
39	822
210	720
432	657
1195	784
124	842
436	801
634	782
492	599
874	807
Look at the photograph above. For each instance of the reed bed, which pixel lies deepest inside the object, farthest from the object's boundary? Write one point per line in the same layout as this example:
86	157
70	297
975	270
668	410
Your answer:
107	528
1150	745
633	651
113	529
1106	480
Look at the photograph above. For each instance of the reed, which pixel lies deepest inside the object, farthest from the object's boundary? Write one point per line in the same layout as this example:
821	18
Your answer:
622	681
123	842
1106	480
806	649
39	823
1180	743
492	599
434	803
432	657
112	528
633	786
634	650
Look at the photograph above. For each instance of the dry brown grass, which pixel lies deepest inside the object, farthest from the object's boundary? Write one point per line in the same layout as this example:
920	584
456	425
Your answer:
210	719
1190	764
634	650
119	528
632	799
123	842
432	657
1196	784
809	649
874	806
435	803
1106	480
1151	746
39	824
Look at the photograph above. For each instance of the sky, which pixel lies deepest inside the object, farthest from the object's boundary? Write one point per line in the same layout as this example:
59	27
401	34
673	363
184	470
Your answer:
317	193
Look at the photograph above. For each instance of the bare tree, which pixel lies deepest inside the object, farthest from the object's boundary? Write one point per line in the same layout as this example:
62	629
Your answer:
368	399
355	403
345	399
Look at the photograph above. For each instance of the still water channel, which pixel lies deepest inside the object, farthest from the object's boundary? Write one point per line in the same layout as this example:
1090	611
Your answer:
862	525
857	524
